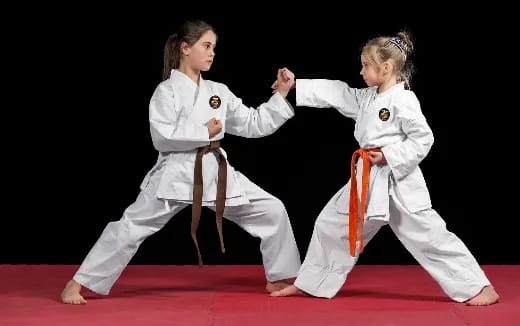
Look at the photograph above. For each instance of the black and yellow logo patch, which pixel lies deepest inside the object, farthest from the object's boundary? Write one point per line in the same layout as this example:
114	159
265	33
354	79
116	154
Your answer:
384	114
214	102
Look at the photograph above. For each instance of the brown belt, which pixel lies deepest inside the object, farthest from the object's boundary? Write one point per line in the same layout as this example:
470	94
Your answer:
214	147
356	223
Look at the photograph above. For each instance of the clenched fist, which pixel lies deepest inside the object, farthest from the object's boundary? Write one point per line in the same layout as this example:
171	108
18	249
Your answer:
214	127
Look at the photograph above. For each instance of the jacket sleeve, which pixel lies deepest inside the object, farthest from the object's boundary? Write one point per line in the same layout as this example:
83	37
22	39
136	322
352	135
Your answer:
249	122
322	93
403	157
166	131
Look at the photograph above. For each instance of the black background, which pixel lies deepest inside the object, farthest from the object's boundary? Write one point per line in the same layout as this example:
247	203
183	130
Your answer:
78	143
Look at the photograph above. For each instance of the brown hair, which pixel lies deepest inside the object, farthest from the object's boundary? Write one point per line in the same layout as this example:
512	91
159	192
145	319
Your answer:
189	32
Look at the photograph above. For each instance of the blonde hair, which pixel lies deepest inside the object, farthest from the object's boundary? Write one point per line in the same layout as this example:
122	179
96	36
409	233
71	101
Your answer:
398	48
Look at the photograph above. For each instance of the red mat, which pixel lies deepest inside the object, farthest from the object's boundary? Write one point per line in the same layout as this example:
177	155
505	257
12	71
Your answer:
234	295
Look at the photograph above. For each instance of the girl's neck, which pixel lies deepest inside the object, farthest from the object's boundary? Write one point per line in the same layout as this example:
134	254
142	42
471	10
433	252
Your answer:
190	72
387	84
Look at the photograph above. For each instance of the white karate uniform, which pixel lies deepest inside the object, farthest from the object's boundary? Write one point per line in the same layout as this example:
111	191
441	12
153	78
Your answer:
397	196
179	109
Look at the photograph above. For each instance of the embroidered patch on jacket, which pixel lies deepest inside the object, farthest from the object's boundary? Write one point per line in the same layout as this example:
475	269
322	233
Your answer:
214	102
384	114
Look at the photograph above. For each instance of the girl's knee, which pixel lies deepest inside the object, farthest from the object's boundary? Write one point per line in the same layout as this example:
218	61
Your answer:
276	207
132	232
276	214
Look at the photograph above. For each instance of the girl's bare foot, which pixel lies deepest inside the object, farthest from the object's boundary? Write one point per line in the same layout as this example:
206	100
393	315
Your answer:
486	297
288	291
71	295
271	287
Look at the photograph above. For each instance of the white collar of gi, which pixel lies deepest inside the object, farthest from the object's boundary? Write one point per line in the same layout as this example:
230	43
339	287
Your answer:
178	76
398	86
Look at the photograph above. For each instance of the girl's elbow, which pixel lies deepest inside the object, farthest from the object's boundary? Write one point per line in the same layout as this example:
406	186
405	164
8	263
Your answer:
430	140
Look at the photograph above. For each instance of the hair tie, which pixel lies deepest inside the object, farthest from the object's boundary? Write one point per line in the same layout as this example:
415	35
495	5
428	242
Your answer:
398	42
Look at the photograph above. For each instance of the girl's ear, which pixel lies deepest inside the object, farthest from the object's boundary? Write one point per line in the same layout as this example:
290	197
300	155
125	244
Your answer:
185	48
388	67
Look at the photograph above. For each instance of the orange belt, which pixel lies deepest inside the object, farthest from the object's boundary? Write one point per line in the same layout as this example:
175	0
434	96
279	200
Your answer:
214	146
356	222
